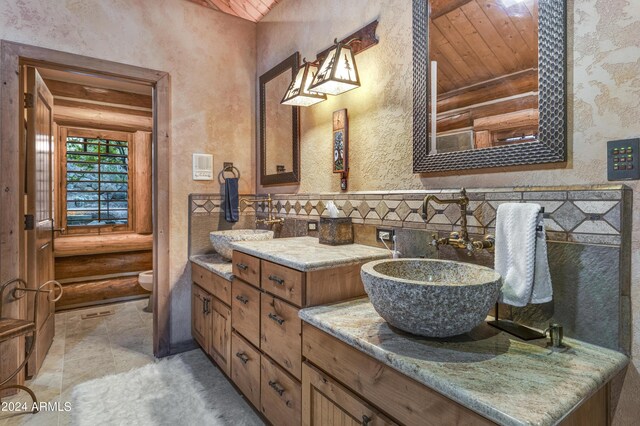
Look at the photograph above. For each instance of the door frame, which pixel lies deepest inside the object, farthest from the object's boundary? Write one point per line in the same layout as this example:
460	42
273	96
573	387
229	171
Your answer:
12	160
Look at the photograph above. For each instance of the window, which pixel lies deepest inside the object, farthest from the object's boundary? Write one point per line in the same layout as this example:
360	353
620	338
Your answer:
96	181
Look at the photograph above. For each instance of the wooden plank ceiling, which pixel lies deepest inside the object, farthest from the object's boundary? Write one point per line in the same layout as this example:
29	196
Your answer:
475	41
251	10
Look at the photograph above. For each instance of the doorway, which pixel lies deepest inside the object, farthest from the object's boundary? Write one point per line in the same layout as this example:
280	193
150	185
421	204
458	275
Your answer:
13	255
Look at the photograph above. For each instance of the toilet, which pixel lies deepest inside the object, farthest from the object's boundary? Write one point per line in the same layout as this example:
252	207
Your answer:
145	279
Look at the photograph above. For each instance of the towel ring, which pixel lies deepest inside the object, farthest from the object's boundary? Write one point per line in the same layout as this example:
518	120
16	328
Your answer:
233	169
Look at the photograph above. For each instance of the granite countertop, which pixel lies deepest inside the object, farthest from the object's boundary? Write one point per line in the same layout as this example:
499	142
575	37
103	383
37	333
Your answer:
307	254
507	380
214	263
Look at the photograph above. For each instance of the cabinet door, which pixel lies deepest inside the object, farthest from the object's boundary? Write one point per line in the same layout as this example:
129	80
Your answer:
220	343
325	402
199	318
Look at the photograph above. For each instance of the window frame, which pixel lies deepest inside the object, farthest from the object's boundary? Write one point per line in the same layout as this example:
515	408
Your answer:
66	132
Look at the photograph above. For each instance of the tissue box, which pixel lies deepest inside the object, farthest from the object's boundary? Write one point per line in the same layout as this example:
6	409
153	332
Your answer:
336	231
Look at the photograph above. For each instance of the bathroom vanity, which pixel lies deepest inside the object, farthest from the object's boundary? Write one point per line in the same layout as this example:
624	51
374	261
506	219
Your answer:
357	367
247	318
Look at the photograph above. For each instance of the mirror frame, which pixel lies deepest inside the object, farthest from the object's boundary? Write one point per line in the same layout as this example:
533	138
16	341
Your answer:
291	63
551	146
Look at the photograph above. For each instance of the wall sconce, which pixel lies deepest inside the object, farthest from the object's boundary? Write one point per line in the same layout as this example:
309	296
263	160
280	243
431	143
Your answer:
338	73
298	93
333	73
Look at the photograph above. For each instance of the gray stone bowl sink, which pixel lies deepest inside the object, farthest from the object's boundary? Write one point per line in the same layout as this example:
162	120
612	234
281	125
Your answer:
221	240
433	298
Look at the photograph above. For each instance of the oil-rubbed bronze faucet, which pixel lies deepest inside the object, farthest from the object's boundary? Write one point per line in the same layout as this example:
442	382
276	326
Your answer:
271	219
458	239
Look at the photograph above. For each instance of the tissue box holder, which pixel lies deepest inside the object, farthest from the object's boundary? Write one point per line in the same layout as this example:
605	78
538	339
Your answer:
336	231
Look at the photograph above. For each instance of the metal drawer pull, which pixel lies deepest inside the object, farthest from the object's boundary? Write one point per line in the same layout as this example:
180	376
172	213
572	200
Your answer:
366	420
243	357
276	279
276	318
242	266
276	387
242	299
205	306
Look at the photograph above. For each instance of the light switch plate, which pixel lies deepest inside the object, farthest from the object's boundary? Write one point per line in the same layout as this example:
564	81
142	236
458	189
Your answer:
312	225
623	159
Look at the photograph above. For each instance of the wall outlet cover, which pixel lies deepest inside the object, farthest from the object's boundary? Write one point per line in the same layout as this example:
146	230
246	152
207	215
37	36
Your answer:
383	234
312	225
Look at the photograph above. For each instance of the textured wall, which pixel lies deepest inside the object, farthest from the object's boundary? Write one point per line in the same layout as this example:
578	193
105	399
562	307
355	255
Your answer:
211	59
604	98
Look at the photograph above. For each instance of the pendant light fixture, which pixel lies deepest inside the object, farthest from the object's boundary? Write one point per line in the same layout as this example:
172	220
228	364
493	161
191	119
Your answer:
298	93
338	72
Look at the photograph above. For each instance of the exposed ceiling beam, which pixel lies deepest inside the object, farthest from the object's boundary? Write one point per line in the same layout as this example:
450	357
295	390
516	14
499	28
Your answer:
251	10
442	7
79	91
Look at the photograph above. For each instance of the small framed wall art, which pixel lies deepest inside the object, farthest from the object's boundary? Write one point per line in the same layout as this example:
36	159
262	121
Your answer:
340	142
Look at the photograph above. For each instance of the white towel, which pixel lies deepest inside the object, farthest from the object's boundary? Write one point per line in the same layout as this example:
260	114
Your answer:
521	255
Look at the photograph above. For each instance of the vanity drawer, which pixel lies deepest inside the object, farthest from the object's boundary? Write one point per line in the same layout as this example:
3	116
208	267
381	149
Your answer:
214	284
245	311
280	333
246	267
245	368
283	282
280	395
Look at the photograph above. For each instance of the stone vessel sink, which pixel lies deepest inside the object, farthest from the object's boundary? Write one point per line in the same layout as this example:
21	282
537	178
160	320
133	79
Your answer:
221	240
433	298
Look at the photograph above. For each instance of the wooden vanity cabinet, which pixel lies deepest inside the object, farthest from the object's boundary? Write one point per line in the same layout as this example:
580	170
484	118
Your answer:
339	380
266	300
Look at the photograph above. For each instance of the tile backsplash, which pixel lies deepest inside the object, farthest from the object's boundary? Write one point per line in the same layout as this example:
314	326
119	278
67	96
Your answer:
587	229
590	215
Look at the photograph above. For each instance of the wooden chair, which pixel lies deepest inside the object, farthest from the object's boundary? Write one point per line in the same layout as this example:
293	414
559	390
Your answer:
11	328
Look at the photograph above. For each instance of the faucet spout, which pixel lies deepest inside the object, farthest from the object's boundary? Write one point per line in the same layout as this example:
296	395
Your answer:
460	240
271	219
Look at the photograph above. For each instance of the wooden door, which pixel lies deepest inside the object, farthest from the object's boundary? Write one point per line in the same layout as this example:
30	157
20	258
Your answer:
39	209
220	344
199	319
326	402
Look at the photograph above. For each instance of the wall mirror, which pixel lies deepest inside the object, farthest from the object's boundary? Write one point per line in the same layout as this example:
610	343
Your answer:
279	126
489	83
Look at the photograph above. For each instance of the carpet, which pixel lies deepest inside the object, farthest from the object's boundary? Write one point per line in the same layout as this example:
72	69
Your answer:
185	389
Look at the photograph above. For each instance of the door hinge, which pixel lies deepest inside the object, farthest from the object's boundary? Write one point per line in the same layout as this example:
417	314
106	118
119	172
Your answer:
28	100
29	222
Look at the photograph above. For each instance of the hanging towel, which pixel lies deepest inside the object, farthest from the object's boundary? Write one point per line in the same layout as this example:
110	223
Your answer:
231	210
521	255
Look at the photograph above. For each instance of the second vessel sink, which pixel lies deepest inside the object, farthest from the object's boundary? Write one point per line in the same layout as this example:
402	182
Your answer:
221	240
433	298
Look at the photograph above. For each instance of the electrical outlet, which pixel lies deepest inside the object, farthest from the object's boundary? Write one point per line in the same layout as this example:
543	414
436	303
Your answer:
312	225
384	234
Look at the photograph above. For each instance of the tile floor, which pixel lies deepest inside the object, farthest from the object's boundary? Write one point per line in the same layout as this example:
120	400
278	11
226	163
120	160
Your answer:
87	349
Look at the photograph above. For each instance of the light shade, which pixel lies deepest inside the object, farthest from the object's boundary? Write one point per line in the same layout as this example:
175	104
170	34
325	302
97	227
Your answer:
298	93
338	72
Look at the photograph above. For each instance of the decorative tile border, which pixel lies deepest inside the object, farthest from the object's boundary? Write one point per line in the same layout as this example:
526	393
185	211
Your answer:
589	214
211	204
